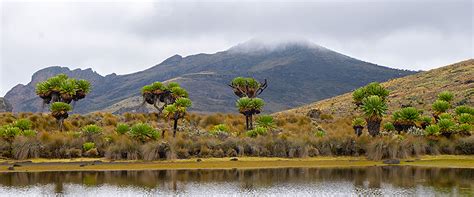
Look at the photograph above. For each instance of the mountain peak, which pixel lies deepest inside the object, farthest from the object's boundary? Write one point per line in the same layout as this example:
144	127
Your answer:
268	45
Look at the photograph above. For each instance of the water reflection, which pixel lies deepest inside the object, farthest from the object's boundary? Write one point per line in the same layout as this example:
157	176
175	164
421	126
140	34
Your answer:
369	180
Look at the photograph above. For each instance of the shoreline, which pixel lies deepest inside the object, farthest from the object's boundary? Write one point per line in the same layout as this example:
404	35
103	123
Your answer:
102	164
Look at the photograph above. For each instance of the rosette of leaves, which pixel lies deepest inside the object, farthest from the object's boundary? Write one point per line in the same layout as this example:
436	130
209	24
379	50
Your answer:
425	121
358	125
439	107
59	110
247	87
143	132
249	107
374	109
405	118
371	89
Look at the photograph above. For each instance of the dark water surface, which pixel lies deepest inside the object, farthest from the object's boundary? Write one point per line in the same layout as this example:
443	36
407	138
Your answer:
365	181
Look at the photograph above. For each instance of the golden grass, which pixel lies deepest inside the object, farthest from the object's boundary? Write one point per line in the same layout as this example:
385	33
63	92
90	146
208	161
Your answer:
445	161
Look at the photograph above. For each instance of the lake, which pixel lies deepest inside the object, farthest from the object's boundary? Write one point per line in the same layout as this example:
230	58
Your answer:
386	180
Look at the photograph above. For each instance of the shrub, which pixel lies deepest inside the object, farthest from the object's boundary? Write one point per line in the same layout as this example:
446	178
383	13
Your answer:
388	126
23	124
265	121
219	129
256	131
426	120
440	106
466	118
91	129
464	129
122	128
9	132
319	133
445	116
29	133
432	130
88	146
415	131
446	96
408	114
446	126
464	109
143	132
358	122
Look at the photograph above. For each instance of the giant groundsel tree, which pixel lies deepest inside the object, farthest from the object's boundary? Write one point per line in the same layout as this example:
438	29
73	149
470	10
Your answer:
161	95
177	111
247	89
61	88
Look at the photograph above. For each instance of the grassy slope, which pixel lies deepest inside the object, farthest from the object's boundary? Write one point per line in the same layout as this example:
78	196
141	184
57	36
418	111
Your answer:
450	161
418	90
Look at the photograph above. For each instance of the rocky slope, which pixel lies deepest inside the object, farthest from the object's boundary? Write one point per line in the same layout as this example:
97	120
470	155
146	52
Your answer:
298	73
418	90
5	106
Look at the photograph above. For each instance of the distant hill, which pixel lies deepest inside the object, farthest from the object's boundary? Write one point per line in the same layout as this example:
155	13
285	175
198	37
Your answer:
418	90
298	73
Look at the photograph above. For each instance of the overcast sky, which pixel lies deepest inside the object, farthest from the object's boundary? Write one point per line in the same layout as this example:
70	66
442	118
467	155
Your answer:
127	37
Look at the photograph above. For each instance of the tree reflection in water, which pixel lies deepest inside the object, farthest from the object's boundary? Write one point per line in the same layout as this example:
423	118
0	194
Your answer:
441	180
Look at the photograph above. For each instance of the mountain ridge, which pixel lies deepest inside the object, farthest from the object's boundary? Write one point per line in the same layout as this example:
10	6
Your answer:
303	73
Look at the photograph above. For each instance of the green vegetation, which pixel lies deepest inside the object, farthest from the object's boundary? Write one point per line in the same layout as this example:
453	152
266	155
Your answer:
249	107
162	95
177	111
374	109
122	128
143	132
226	135
61	88
59	110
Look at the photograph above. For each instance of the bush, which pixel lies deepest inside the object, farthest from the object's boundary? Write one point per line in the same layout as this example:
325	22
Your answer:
464	109
358	122
409	114
466	118
445	116
29	133
143	132
122	128
440	106
9	132
432	130
265	121
220	128
23	124
91	129
426	120
446	125
88	146
445	96
388	126
319	133
256	132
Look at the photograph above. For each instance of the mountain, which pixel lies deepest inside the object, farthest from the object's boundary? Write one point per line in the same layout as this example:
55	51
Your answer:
419	90
5	105
298	73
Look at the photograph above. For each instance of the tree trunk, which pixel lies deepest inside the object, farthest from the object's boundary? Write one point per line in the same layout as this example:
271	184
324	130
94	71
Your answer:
61	122
175	126
251	121
373	126
358	130
247	122
163	134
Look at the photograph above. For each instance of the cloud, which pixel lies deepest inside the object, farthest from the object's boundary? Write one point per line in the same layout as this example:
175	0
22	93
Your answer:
125	37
